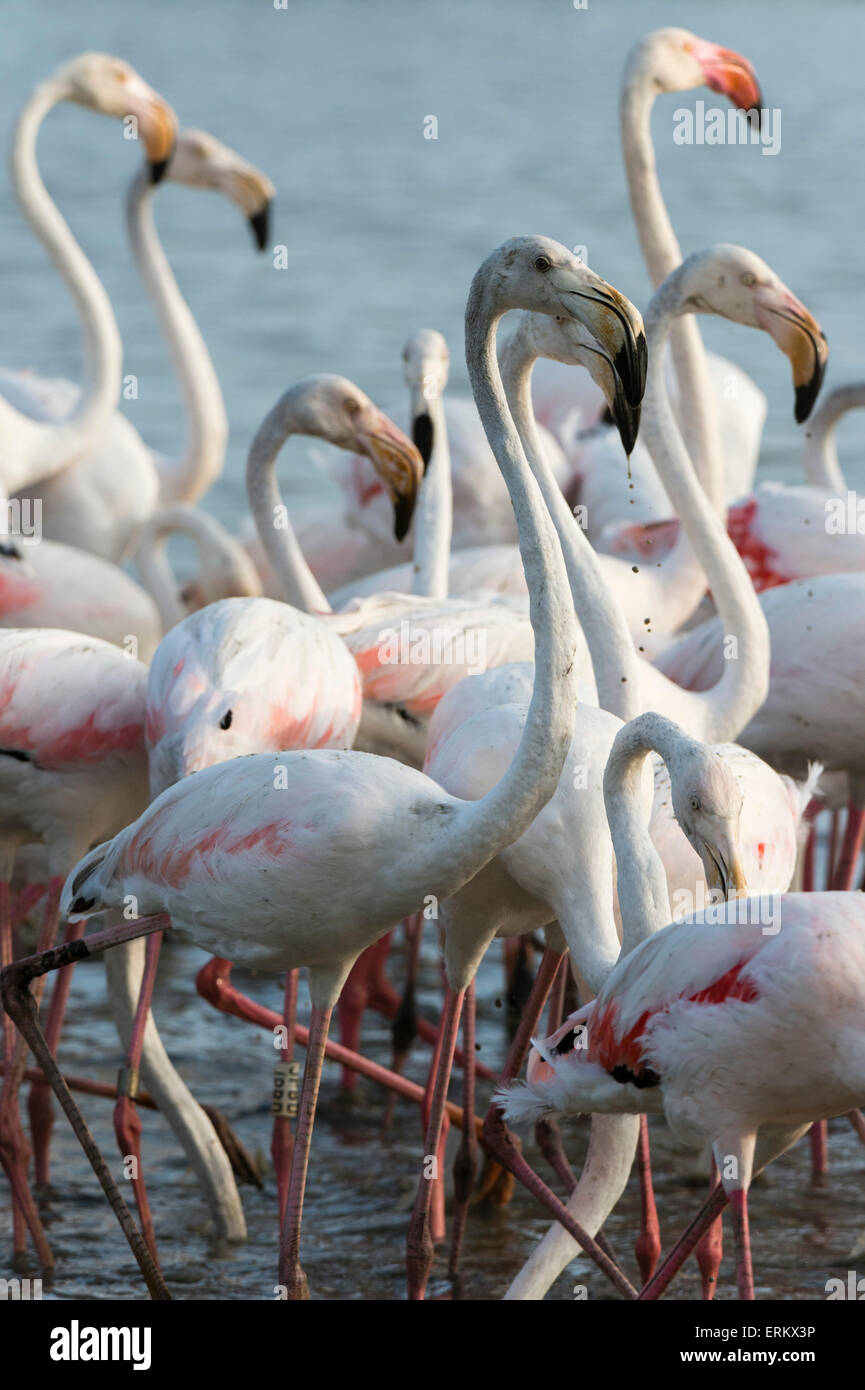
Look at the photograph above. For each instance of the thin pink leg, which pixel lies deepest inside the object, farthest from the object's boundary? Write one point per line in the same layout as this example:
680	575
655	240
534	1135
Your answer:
14	1148
285	1096
466	1162
833	847
127	1121
548	1136
39	1106
808	859
648	1246
744	1270
291	1275
419	1245
710	1250
19	1225
818	1137
687	1242
844	876
19	1000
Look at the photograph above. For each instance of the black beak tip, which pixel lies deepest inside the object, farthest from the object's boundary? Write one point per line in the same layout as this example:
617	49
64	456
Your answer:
627	421
82	904
755	112
158	168
260	224
403	509
807	394
422	437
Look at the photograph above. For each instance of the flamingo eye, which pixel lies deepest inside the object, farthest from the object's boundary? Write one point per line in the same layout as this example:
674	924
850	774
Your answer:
543	263
351	405
225	721
695	803
749	279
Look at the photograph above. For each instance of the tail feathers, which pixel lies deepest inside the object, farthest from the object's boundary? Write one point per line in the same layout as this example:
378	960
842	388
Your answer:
804	792
83	891
576	1087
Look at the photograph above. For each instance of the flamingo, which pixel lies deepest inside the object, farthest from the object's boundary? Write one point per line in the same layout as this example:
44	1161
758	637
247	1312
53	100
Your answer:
261	865
679	1021
783	531
31	448
720	409
54	585
101	502
73	770
223	569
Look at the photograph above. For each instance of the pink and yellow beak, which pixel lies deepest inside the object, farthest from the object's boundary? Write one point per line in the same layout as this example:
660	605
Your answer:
800	337
729	74
157	127
396	461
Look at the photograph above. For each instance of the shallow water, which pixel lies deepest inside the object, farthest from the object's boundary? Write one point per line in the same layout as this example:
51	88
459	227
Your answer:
362	1180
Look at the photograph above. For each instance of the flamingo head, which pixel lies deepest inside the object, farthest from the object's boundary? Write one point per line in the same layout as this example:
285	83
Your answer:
734	282
113	88
541	275
675	60
569	341
202	161
426	362
707	803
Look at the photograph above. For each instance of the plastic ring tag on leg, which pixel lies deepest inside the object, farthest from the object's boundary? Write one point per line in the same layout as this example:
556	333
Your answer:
286	1089
128	1079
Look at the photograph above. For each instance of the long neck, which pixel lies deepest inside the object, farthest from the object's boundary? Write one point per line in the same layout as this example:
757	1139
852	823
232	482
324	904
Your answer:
433	516
187	478
299	585
615	663
487	826
49	448
642	883
662	254
819	453
721	713
212	542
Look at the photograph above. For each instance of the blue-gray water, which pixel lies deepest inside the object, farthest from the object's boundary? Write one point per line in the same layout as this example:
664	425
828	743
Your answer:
384	230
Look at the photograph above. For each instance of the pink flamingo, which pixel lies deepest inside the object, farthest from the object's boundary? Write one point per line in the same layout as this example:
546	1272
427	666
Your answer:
678	1024
257	858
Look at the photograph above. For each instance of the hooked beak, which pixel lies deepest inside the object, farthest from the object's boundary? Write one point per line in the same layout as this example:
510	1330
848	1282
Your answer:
157	127
800	337
615	322
723	867
625	417
397	462
260	224
732	76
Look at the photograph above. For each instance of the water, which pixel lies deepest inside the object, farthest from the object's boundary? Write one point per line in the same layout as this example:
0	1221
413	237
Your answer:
383	231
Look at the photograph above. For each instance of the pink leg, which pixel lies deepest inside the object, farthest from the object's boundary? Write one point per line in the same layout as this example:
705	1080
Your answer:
833	846
547	1133
744	1270
710	1210
466	1163
291	1274
405	1022
710	1251
437	1220
857	1120
648	1246
39	1105
14	1148
285	1096
127	1121
808	859
818	1136
20	1003
19	1225
356	996
419	1251
844	876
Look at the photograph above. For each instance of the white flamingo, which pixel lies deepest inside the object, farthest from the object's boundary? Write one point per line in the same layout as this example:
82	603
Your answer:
32	448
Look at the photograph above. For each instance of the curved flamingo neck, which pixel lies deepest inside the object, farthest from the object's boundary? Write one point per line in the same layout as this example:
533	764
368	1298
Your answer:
212	542
719	714
662	254
820	463
187	478
299	585
642	883
433	519
614	660
487	826
33	450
